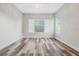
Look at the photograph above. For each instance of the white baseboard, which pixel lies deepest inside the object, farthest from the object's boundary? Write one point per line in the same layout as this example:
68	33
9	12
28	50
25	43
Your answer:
60	39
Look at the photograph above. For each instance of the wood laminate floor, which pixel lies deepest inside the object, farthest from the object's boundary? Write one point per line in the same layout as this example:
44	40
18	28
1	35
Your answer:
39	47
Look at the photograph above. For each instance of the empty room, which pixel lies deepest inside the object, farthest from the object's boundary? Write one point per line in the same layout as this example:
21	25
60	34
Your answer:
39	29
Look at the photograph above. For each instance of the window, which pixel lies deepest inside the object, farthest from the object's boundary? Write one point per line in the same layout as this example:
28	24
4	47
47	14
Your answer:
39	25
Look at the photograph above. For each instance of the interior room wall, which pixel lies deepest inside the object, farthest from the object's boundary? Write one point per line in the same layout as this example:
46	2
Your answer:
26	17
67	25
10	24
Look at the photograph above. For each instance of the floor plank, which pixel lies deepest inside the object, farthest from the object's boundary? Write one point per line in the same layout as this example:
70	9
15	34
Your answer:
42	47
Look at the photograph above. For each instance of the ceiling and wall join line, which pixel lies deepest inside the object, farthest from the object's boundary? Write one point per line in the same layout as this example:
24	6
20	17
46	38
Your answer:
38	7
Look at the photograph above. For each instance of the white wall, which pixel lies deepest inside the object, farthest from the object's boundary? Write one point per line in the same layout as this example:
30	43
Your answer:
36	16
68	19
10	25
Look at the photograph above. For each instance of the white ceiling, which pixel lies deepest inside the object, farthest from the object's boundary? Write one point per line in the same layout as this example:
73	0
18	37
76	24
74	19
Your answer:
38	7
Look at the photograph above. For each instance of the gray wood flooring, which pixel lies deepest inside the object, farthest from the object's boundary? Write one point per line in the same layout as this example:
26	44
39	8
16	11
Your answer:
38	47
